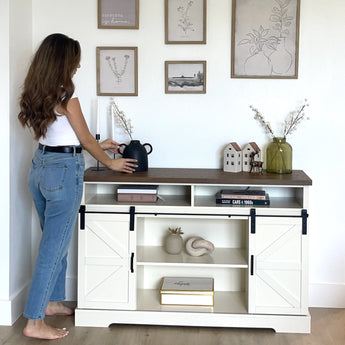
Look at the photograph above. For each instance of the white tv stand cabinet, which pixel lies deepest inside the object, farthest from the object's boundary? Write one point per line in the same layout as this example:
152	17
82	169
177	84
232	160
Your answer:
259	265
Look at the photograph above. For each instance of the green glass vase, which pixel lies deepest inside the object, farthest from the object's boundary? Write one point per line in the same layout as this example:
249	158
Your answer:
279	157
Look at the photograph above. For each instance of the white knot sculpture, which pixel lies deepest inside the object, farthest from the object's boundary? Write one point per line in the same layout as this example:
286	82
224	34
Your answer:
197	246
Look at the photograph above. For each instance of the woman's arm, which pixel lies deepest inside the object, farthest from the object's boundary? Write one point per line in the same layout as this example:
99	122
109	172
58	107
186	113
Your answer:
79	125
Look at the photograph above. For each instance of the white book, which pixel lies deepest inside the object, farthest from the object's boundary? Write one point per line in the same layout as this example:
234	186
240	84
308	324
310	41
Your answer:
187	291
179	299
135	189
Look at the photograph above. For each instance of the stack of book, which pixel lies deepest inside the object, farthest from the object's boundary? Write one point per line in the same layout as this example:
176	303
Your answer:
187	291
246	197
137	193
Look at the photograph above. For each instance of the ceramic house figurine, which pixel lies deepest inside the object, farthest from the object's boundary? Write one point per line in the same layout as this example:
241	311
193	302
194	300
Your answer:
247	150
232	158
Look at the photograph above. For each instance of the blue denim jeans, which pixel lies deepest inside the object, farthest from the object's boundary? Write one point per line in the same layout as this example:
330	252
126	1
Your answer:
56	186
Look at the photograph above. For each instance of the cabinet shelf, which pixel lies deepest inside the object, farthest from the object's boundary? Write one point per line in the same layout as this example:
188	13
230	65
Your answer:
275	202
197	187
200	201
110	199
227	302
221	257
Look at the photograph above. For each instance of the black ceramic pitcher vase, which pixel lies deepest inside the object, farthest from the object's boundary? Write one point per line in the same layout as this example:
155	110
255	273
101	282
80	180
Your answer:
137	151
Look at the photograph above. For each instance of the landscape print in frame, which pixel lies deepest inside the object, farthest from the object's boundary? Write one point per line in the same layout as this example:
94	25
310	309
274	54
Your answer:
264	38
185	76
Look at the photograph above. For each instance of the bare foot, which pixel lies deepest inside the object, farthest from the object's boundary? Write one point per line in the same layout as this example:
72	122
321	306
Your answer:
40	330
57	308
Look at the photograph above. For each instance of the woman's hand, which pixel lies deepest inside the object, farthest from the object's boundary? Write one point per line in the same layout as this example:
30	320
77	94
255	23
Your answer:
110	145
126	165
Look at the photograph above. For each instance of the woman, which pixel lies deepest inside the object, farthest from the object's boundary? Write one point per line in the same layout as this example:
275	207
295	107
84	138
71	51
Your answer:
50	108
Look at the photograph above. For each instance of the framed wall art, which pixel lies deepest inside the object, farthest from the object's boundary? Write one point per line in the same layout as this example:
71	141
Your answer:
264	38
118	14
185	76
117	71
185	21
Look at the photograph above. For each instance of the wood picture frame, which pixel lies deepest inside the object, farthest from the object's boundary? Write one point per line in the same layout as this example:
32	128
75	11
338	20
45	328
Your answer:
118	14
117	71
185	21
185	76
265	39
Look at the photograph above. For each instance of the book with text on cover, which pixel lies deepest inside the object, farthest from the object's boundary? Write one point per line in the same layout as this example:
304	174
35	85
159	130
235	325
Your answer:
187	291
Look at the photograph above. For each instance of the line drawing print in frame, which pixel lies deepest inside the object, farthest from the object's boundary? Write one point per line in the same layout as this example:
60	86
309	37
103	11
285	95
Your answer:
117	71
185	76
185	21
118	14
264	39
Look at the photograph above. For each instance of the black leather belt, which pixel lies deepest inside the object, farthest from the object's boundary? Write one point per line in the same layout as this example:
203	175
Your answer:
61	149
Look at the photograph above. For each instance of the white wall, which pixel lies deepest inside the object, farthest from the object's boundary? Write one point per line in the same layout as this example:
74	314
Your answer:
191	130
20	157
5	144
16	209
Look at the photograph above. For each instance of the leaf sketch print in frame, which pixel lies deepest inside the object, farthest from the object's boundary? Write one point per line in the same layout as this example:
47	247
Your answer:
264	42
118	14
117	71
185	21
185	76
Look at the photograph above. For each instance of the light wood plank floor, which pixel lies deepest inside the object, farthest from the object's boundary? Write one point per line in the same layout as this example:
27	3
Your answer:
328	328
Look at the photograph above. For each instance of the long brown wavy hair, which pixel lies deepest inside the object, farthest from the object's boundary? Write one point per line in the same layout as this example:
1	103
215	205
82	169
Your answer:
48	82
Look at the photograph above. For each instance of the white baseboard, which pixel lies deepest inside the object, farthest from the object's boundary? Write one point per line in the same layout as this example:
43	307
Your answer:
327	295
11	310
5	313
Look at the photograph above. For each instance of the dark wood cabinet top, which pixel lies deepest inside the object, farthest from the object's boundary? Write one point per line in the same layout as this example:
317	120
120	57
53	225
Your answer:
198	176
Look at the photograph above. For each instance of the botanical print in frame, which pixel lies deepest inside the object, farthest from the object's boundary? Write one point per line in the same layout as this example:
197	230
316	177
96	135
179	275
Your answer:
118	14
185	21
265	38
185	76
117	71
